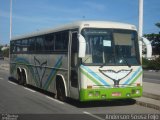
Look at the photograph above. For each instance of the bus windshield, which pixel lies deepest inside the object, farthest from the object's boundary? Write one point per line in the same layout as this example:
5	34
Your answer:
111	47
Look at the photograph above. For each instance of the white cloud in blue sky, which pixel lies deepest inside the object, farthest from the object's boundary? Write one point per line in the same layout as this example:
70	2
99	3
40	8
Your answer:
30	15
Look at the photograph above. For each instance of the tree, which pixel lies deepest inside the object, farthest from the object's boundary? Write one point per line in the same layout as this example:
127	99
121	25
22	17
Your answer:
0	49
158	24
6	52
155	41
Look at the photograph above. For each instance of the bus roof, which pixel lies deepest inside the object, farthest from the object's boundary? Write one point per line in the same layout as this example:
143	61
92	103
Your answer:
79	24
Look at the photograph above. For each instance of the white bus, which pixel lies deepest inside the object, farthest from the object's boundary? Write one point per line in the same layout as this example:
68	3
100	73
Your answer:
85	60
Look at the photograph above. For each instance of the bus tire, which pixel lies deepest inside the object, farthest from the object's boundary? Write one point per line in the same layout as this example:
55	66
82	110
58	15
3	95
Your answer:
19	76
24	83
60	89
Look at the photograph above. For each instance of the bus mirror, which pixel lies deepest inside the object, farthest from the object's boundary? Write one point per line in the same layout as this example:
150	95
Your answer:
82	46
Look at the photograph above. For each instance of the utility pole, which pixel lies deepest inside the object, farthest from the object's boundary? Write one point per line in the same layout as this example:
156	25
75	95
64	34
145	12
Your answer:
10	36
143	40
140	27
140	18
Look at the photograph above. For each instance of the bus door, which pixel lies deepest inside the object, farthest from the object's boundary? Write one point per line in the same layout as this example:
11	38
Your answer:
74	90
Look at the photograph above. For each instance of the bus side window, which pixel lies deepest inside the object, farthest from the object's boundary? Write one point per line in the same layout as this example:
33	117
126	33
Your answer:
49	42
18	46
65	39
39	44
25	45
74	43
61	41
74	50
74	60
13	47
58	44
31	44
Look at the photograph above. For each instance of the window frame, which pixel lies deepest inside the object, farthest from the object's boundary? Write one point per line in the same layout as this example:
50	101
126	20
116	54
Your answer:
32	44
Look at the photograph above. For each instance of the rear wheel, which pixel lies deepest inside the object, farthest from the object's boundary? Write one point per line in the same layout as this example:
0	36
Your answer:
19	77
24	78
60	90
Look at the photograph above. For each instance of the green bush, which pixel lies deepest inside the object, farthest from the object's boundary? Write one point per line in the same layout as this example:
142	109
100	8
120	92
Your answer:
0	49
6	52
151	64
145	63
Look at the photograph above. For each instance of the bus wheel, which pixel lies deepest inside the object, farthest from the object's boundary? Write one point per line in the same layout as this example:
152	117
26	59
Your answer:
24	83
60	90
19	77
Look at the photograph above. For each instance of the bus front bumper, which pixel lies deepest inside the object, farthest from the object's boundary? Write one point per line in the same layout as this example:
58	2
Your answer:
110	93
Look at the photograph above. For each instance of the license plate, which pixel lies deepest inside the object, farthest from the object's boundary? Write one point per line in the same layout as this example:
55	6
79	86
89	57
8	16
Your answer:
116	94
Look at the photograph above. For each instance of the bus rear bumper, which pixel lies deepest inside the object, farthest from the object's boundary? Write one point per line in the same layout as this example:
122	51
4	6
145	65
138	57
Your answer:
110	93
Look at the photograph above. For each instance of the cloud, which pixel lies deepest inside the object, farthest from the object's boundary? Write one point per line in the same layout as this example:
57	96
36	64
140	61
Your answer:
37	19
57	8
4	14
46	13
96	6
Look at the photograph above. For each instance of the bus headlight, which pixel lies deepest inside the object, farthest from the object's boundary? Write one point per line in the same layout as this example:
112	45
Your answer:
128	94
103	96
137	92
90	94
134	91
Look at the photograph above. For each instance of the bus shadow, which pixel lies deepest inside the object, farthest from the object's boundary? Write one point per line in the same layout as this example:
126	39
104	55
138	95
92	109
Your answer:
79	104
91	104
12	80
33	88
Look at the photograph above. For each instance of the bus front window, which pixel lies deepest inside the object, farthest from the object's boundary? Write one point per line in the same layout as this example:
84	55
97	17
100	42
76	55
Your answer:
110	47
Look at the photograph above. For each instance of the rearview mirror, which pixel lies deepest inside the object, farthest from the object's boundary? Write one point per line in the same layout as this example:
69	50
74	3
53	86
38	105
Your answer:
82	46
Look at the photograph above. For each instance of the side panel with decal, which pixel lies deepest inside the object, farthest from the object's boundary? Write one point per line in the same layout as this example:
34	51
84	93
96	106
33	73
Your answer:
41	69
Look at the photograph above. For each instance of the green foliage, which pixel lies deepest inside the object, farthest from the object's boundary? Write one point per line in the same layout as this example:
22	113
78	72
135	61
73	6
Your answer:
151	36
6	52
158	25
151	64
0	49
155	42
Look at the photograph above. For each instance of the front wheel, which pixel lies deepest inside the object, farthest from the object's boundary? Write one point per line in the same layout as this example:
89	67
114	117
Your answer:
60	91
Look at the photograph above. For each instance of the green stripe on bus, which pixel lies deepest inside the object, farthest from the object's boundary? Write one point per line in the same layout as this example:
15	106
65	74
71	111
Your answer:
53	73
90	77
136	77
51	79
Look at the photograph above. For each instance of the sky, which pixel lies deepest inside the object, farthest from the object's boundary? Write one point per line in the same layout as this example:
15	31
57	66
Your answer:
33	15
